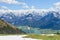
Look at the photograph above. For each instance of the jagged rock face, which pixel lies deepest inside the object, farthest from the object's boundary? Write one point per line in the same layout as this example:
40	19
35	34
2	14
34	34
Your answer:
50	20
6	28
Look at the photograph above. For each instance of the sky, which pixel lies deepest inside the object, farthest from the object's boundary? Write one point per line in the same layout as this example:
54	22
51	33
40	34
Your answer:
27	4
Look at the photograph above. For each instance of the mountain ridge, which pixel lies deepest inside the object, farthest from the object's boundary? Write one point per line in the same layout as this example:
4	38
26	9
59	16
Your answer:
34	19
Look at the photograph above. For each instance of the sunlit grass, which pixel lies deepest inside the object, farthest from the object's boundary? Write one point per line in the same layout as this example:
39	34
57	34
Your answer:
43	37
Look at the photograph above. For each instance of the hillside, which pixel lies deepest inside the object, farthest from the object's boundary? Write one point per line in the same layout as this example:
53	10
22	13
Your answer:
6	28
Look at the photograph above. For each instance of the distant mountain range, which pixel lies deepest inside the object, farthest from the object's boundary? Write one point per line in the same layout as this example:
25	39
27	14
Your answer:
50	20
6	28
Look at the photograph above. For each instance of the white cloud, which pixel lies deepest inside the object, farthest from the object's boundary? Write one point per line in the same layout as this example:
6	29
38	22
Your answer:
4	8
57	6
11	2
23	4
32	7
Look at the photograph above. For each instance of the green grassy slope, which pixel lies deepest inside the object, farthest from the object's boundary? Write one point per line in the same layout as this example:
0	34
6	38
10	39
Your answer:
43	37
6	28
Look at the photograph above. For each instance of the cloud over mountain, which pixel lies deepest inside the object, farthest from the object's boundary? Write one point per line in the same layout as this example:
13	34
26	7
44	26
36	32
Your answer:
4	9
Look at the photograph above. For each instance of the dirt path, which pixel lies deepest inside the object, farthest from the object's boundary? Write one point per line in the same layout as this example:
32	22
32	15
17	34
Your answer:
15	37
